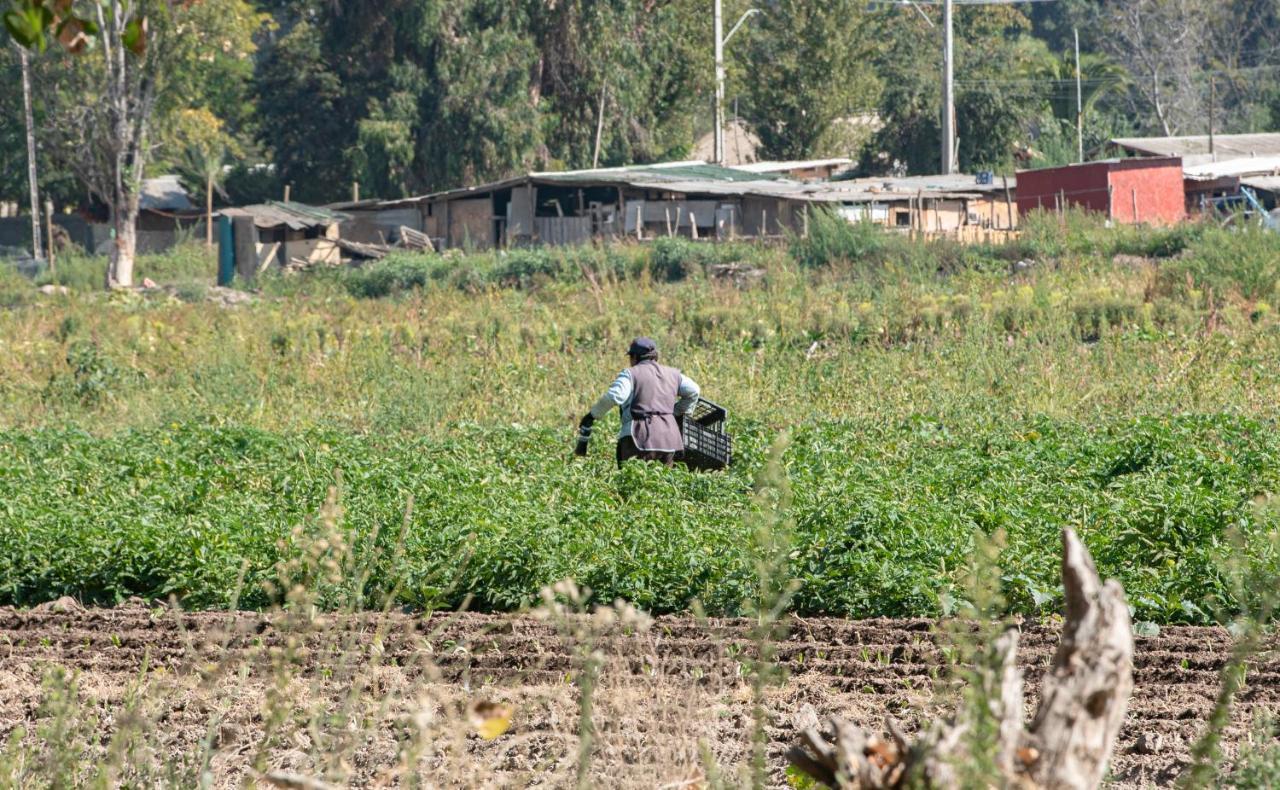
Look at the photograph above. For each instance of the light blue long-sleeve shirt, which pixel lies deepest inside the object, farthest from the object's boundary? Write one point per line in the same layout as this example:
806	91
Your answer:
622	390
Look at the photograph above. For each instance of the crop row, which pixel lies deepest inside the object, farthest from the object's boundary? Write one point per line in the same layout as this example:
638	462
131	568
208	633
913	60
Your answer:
882	517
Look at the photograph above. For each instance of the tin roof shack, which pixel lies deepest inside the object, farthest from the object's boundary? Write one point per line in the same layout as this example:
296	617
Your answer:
1205	183
691	199
1198	149
370	221
285	234
1132	191
165	212
967	207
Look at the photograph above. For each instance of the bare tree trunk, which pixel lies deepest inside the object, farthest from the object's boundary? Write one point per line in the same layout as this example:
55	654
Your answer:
1083	699
37	249
1084	695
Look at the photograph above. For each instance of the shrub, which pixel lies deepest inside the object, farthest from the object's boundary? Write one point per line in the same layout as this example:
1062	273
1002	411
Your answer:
524	267
1243	260
397	272
676	259
92	376
833	239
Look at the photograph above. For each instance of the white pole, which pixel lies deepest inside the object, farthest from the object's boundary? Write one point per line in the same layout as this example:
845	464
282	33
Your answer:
1079	103
719	112
37	250
948	92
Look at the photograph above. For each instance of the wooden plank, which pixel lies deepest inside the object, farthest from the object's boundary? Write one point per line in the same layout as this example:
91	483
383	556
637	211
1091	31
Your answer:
245	234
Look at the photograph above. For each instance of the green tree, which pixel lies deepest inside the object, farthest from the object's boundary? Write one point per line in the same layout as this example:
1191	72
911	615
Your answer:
430	94
811	66
304	128
634	70
382	157
999	97
480	121
203	159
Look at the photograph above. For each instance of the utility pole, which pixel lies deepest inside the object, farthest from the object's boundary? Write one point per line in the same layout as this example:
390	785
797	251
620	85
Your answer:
721	40
948	91
719	119
37	249
1213	111
1079	102
949	152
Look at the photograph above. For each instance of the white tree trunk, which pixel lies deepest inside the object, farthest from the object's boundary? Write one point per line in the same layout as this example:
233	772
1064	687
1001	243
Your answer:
123	250
37	250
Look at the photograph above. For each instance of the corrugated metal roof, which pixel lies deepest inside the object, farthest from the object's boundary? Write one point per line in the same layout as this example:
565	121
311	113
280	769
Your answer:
1225	146
1264	183
700	178
672	171
295	216
887	188
1249	165
164	193
783	167
656	176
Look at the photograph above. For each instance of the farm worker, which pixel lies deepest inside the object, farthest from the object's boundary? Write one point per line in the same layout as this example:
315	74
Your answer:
651	399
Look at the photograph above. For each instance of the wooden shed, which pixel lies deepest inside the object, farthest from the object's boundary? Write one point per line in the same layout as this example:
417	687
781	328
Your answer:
280	234
690	199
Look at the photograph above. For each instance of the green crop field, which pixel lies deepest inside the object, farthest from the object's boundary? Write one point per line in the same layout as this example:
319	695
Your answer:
922	399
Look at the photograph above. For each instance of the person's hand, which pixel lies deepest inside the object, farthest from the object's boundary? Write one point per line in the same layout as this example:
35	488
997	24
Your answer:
584	436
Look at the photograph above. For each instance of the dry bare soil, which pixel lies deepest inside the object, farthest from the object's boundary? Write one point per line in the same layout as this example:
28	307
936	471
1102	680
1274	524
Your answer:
662	690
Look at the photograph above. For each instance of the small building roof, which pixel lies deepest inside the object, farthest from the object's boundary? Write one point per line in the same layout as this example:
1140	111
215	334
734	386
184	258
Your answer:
700	178
296	216
694	176
1225	146
164	193
1141	161
890	188
1249	165
1262	183
785	166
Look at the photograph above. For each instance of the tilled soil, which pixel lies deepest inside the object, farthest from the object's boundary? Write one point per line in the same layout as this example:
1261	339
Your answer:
673	699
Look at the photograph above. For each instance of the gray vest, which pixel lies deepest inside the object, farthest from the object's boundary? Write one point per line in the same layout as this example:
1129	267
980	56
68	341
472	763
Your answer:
653	402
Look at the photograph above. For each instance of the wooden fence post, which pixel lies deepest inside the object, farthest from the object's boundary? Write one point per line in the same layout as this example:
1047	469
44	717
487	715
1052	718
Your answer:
48	225
1008	201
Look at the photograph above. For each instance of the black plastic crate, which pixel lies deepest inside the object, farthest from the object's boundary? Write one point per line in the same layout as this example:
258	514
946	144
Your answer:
704	448
706	445
708	415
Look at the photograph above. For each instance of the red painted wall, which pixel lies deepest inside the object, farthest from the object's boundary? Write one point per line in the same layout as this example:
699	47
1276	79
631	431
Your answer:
1109	188
1157	187
1079	185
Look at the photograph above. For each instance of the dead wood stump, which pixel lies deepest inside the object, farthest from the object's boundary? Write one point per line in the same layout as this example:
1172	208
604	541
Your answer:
1083	697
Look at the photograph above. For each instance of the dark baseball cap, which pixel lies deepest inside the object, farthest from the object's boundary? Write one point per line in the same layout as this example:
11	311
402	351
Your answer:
642	346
